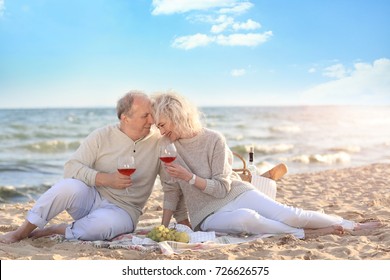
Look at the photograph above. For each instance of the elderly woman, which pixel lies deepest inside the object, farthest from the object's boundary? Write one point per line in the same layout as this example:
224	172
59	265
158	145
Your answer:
215	196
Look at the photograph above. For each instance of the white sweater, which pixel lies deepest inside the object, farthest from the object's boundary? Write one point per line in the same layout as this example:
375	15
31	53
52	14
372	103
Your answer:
207	156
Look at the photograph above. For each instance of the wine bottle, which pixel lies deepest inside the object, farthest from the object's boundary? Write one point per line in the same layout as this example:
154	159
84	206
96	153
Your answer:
251	166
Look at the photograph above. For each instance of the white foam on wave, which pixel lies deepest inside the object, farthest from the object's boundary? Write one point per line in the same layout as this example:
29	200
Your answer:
52	146
340	157
286	128
348	149
273	149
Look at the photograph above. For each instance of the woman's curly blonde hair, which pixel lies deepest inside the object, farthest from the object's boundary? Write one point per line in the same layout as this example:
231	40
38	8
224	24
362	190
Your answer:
185	116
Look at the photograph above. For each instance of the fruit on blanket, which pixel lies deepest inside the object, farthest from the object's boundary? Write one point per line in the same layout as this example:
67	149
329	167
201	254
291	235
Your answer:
162	233
182	237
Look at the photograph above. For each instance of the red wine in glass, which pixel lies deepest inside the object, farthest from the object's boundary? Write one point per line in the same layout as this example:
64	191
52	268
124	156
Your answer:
126	171
168	154
126	166
167	159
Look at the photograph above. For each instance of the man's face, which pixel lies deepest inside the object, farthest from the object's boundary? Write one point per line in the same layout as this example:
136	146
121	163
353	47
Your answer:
140	119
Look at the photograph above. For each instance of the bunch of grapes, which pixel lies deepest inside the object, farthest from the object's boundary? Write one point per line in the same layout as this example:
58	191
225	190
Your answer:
162	233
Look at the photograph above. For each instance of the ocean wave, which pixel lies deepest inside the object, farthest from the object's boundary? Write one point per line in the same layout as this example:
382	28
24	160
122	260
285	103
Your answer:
339	157
285	129
273	149
14	136
11	194
236	137
18	126
347	149
264	149
52	146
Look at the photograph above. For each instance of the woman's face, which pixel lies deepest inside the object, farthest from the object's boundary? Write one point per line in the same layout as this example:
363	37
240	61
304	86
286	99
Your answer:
167	129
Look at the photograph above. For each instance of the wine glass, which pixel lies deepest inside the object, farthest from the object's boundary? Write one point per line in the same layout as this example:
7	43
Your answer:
168	154
126	165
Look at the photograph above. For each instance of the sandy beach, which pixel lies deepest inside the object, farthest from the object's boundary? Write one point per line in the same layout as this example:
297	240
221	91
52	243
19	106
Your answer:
358	194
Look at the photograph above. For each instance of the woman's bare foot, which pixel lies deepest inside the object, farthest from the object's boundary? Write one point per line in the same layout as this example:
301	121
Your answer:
50	230
336	229
368	225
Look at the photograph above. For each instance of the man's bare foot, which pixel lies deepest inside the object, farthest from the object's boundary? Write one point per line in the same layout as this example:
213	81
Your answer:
276	172
368	225
21	233
10	237
336	229
50	230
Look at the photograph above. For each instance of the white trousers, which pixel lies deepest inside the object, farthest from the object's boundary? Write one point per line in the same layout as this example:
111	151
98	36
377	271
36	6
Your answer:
94	218
255	213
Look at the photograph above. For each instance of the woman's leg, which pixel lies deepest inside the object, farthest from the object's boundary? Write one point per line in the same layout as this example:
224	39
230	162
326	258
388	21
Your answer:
289	215
249	221
245	220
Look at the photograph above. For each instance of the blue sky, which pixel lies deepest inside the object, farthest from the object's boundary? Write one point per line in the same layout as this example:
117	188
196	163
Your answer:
216	52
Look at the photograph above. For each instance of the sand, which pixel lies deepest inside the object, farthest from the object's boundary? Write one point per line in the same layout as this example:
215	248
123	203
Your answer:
358	194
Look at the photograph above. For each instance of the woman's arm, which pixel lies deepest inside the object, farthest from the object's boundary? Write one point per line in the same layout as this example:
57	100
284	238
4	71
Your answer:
166	218
220	163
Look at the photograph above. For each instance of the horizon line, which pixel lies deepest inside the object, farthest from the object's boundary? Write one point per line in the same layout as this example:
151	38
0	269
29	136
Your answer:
201	106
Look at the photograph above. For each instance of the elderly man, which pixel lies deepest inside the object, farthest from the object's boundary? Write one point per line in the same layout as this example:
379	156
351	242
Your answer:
102	202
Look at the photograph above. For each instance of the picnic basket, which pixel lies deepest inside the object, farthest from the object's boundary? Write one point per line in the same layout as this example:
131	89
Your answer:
244	171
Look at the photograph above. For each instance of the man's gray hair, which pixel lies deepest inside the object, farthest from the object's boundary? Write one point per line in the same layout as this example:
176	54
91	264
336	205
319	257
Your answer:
125	104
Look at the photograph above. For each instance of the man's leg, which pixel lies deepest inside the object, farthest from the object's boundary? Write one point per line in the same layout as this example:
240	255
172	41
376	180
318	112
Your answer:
103	223
68	194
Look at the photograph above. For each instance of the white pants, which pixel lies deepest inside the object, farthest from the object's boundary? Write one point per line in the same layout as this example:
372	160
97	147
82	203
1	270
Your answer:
255	213
95	218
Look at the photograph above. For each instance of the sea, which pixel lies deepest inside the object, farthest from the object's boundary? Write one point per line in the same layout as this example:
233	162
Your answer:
35	143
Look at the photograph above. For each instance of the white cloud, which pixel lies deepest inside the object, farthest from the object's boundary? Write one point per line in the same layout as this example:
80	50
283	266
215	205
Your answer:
222	23
238	72
335	71
312	70
168	7
192	41
365	83
199	40
238	8
2	7
248	25
249	39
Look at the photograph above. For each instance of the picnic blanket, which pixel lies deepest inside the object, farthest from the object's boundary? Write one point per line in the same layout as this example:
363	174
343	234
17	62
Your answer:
199	240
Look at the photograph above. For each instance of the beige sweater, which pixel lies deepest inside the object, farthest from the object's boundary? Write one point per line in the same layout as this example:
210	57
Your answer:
99	153
207	156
